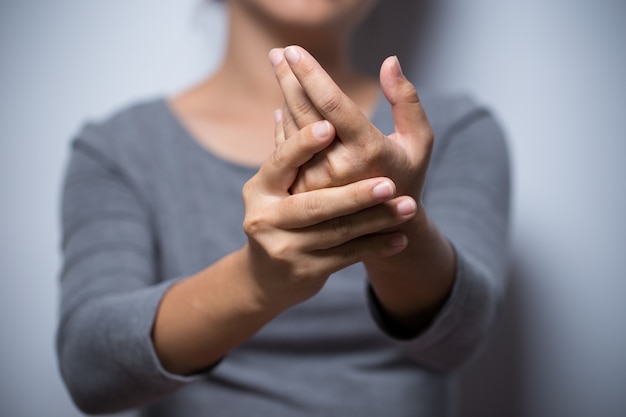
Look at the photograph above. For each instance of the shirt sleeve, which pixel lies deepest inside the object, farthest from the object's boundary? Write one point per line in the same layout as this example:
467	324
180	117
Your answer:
467	196
110	289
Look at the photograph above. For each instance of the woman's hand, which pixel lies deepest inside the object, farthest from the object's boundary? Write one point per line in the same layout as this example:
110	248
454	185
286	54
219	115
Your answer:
295	241
412	286
360	149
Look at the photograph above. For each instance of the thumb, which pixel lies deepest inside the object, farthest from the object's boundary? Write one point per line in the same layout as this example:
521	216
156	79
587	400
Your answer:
408	115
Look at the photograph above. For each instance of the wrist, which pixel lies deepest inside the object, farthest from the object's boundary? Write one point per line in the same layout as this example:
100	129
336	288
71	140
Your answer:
414	284
263	292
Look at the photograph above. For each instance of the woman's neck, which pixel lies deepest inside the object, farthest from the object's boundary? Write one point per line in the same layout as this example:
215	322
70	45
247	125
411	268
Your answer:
246	69
230	113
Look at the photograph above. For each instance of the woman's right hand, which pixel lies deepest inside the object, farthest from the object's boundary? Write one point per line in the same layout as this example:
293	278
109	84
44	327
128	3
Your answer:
295	241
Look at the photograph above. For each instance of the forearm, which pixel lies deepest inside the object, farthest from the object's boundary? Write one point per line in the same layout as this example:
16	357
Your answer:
467	197
205	316
413	285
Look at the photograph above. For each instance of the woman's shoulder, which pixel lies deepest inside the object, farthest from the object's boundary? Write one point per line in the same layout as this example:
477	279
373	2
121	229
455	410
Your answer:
140	134
447	113
450	111
128	126
461	118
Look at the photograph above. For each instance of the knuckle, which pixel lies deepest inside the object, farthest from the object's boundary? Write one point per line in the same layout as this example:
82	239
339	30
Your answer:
280	250
326	174
289	125
307	71
301	272
328	168
342	226
374	154
249	189
330	102
311	179
301	108
256	222
379	149
252	225
277	158
312	205
335	168
300	185
410	94
351	253
245	190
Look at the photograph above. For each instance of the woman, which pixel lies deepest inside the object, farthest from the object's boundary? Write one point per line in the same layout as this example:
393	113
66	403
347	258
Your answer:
171	306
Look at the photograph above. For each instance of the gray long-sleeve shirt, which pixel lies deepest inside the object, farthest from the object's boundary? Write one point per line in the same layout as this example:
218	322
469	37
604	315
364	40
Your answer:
145	205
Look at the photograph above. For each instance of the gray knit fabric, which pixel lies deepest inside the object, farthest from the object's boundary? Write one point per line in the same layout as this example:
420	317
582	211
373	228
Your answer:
145	205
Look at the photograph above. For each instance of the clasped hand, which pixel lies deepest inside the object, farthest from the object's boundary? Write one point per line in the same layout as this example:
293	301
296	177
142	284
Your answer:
335	188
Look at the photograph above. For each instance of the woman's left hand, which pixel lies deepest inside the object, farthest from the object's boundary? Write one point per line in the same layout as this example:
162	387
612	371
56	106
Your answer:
414	284
360	150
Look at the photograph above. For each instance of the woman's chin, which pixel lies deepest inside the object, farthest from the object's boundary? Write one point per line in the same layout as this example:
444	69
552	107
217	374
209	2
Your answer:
310	14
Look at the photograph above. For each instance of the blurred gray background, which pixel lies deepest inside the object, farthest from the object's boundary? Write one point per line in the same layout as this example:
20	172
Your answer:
554	72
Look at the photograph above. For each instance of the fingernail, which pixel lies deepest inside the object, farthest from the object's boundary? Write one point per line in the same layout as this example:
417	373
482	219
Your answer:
397	68
321	130
292	55
278	115
398	241
383	190
406	207
276	55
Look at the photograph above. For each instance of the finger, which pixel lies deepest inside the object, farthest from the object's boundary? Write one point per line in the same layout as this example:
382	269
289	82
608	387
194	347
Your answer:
279	171
326	96
301	109
289	125
279	131
313	207
408	114
375	219
357	250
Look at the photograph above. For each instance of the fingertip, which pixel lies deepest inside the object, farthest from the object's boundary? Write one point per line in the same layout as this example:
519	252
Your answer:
292	54
278	116
384	190
396	87
398	241
322	130
276	55
389	78
407	207
390	68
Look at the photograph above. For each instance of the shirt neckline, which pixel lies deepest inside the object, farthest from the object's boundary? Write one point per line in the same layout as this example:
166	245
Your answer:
189	138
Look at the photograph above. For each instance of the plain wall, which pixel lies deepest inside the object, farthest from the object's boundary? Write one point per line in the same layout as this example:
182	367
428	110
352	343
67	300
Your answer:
553	72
